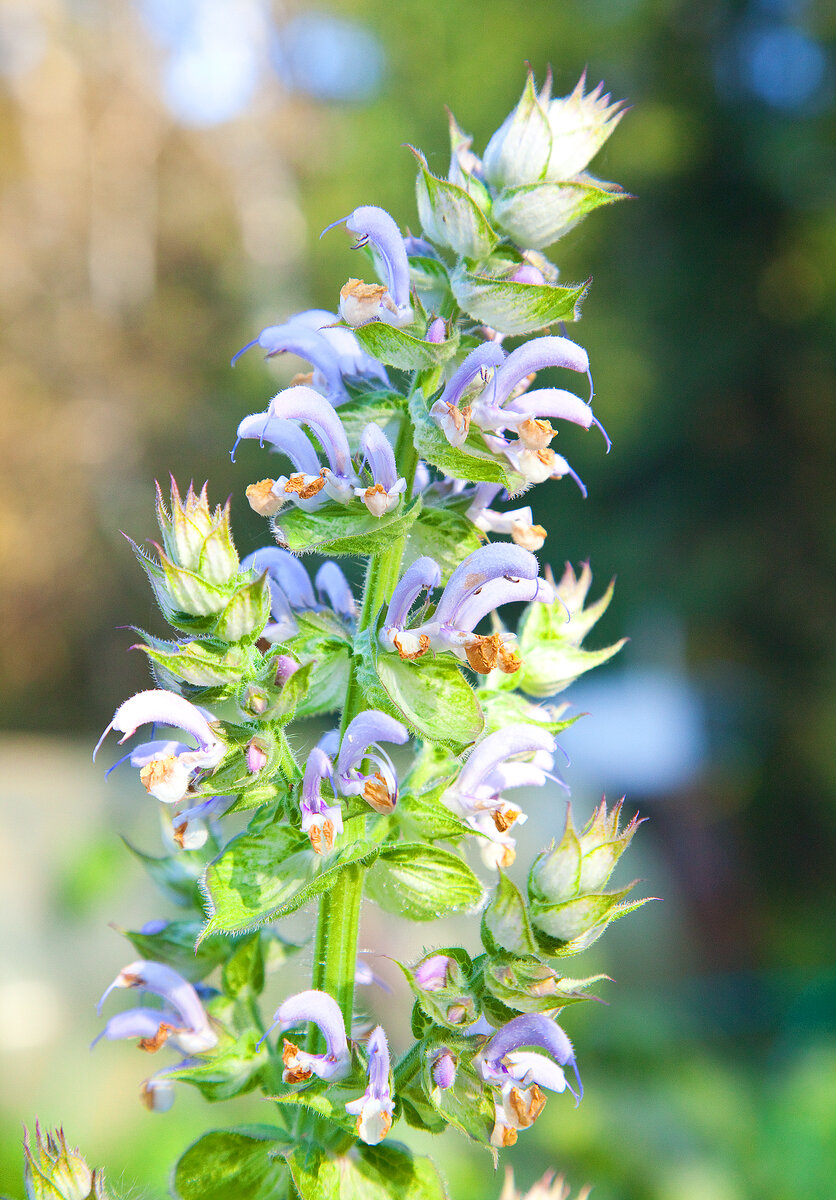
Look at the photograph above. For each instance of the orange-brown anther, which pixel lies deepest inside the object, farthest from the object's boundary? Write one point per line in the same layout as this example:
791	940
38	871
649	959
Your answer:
164	1032
293	1072
546	457
504	820
526	1106
322	837
303	377
411	655
262	499
529	537
156	772
376	793
305	488
535	433
483	653
509	660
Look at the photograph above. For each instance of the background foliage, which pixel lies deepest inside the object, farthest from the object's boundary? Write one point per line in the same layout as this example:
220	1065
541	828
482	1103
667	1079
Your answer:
146	235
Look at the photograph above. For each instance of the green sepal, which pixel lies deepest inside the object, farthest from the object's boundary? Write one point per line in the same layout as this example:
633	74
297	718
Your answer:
174	945
176	875
430	279
445	535
549	642
421	882
234	1163
231	1069
505	707
175	616
244	969
537	214
369	1173
189	592
338	529
204	663
454	1005
516	308
413	1106
397	348
526	985
468	1104
247	612
565	929
431	695
450	216
472	461
268	872
505	923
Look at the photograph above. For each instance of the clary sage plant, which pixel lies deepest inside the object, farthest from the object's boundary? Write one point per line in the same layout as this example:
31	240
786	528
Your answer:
403	446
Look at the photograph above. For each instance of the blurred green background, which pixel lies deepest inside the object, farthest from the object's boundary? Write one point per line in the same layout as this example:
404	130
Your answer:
166	168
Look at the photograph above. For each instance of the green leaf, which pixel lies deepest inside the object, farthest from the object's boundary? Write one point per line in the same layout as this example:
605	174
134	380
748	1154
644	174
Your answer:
245	968
449	216
516	308
175	875
431	695
230	1070
397	348
367	1173
472	461
425	815
232	1164
422	882
267	873
537	214
336	529
247	612
505	923
331	664
445	535
174	945
570	920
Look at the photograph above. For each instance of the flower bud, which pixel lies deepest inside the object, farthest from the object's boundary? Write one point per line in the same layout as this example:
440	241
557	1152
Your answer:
54	1172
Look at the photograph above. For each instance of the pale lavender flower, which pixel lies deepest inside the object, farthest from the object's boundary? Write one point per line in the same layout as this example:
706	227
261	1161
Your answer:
519	522
387	486
488	578
190	827
323	1011
444	1069
527	273
431	973
520	1074
285	572
373	224
436	330
491	769
332	584
305	405
361	743
320	821
256	758
374	1108
182	1020
453	418
166	768
295	337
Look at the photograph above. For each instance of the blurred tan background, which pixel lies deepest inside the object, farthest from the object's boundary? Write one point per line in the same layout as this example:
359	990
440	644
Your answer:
165	169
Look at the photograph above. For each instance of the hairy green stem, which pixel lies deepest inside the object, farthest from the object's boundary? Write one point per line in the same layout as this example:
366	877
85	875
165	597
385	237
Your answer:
335	952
